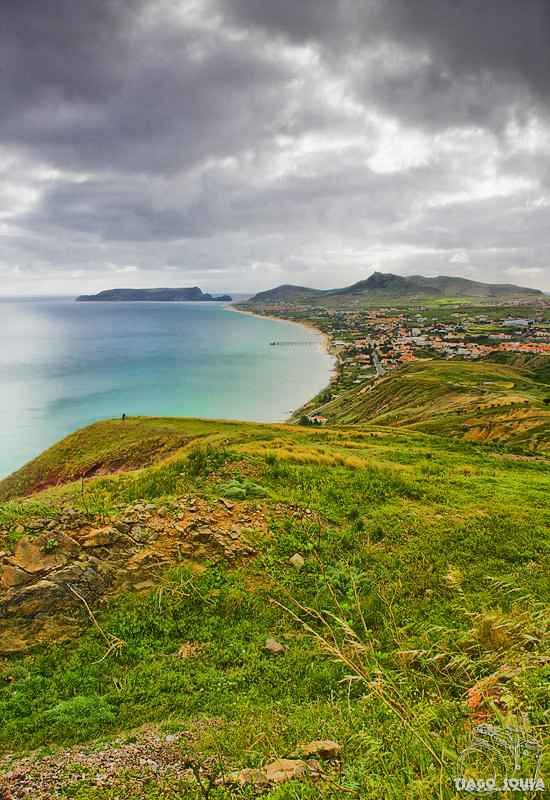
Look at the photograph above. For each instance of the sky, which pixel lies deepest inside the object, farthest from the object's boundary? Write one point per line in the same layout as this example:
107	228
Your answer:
241	144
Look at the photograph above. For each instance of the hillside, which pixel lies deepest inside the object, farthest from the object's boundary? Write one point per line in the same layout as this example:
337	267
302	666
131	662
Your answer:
352	599
482	402
161	295
388	289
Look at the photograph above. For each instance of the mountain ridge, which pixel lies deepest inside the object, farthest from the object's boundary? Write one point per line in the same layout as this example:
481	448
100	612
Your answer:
387	286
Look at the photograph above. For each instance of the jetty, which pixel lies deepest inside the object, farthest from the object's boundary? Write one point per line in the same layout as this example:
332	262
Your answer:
287	343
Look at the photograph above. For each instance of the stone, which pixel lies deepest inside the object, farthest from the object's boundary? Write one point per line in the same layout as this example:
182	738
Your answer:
248	777
326	749
283	769
273	648
144	586
296	561
13	576
101	538
39	597
203	535
36	525
123	527
39	554
140	533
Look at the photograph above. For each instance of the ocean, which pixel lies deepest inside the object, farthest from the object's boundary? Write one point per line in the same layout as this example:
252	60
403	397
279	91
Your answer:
64	365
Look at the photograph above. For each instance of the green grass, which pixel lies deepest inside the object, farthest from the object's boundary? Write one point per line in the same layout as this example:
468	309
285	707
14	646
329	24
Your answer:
432	551
482	401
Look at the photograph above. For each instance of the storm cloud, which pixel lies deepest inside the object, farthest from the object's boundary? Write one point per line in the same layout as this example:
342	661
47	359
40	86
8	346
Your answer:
235	143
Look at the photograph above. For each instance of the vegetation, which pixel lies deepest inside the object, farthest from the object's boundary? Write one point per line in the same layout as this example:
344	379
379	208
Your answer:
387	289
421	608
483	402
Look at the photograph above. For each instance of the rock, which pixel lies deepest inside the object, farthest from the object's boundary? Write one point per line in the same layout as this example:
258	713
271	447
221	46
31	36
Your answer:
144	586
122	527
40	554
203	535
13	576
273	648
283	769
70	574
140	533
101	538
296	561
142	558
38	598
325	749
36	525
247	777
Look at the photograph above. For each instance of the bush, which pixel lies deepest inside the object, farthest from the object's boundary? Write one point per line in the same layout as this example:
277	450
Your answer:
240	490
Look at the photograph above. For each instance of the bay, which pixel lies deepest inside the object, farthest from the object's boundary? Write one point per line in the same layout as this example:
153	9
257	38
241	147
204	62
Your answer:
64	365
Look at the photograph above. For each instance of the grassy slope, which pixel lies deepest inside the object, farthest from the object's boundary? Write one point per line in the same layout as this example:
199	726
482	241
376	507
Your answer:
482	401
107	447
436	552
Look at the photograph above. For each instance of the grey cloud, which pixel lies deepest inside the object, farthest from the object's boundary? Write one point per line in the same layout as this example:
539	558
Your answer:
299	21
86	87
242	133
506	37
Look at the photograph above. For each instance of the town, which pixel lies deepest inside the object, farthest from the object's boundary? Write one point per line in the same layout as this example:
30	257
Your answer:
370	342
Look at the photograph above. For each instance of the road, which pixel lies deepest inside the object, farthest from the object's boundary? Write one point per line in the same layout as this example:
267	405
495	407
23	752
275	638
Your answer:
380	371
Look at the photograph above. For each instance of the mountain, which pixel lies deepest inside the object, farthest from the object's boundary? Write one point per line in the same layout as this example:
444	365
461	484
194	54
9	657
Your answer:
166	295
283	292
388	288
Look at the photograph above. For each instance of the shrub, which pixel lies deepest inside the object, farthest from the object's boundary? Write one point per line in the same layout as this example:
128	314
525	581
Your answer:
240	490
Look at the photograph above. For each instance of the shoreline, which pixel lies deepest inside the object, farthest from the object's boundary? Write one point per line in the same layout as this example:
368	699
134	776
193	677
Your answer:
326	344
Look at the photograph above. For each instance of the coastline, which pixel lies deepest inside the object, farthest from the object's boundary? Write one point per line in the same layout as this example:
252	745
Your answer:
326	343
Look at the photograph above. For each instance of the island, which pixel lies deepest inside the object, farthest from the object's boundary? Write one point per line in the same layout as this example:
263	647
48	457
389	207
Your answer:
165	295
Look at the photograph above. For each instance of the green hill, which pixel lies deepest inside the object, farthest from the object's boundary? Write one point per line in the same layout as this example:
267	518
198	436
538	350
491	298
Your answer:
388	289
482	402
402	574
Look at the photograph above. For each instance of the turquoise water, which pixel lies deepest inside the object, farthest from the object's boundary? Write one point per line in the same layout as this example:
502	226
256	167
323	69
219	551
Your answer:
64	365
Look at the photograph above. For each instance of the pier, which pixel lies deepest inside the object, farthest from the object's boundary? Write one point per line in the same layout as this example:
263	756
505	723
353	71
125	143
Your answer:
287	343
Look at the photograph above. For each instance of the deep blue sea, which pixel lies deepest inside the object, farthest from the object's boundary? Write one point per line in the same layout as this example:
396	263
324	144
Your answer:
65	364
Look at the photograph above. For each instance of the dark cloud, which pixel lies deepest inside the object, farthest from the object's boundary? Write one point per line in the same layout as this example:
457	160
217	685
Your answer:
278	135
305	20
90	86
504	37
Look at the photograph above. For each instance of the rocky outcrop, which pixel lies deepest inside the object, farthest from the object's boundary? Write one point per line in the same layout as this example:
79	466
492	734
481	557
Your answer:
55	557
